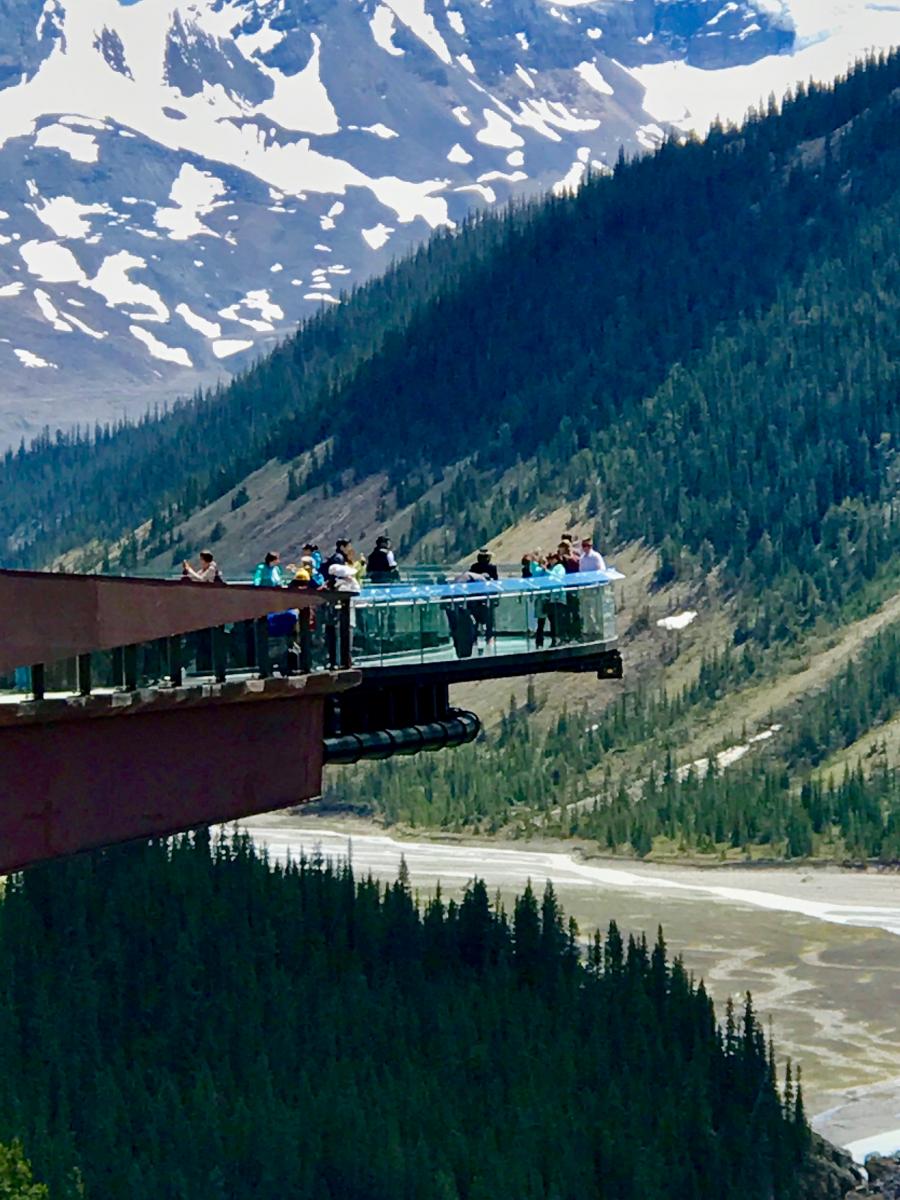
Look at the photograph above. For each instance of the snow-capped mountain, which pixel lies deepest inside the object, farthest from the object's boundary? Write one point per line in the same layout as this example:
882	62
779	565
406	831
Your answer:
182	182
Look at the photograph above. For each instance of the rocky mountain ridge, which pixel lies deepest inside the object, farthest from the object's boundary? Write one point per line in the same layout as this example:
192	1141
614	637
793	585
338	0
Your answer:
184	182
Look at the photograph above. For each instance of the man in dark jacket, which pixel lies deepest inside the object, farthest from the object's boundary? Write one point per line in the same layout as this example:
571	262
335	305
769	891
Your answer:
483	610
382	566
483	565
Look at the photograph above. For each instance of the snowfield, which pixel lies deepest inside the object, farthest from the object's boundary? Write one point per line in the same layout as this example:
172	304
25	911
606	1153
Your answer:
169	167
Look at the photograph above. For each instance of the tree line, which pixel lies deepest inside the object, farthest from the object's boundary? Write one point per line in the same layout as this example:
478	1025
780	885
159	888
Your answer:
186	1019
558	780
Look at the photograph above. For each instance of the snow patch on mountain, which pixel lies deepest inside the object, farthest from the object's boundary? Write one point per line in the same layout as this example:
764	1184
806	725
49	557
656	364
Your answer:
66	217
175	163
159	349
209	329
382	25
830	34
193	194
52	263
590	73
80	146
226	347
114	283
28	359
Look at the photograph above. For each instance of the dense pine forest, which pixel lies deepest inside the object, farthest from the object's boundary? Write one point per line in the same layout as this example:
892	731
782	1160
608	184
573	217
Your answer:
184	1020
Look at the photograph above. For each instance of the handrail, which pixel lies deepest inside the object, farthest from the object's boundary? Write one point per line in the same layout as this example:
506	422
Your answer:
422	578
405	590
388	593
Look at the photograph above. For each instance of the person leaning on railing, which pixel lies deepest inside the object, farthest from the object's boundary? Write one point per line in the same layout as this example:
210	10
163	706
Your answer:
549	609
343	577
483	610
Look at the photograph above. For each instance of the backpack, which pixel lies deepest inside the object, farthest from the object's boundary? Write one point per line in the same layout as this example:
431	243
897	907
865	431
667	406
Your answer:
336	559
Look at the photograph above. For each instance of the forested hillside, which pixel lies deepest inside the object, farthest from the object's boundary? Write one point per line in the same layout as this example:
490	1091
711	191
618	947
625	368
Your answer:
539	337
181	1020
701	352
617	775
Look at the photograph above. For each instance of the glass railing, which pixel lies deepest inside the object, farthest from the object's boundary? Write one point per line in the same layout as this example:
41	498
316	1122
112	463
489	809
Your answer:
293	642
406	623
433	622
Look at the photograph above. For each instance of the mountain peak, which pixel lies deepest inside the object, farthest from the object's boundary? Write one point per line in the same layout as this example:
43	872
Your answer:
184	182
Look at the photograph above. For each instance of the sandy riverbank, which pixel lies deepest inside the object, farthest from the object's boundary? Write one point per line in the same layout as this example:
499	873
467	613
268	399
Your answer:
818	947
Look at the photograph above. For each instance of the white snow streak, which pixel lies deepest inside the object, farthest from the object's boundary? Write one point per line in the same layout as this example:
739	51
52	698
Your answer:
457	154
678	621
382	26
209	329
173	354
50	313
256	301
27	359
498	132
300	101
51	262
112	282
419	21
228	346
380	130
590	73
376	236
65	216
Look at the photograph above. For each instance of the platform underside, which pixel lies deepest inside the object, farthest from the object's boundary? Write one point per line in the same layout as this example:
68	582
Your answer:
165	762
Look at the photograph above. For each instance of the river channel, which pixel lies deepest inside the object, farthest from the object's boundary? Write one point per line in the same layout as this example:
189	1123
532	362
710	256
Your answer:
818	948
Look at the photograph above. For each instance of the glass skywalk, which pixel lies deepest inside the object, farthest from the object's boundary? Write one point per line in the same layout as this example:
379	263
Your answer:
394	625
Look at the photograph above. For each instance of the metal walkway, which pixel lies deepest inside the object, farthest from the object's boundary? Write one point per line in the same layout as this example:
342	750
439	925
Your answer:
134	707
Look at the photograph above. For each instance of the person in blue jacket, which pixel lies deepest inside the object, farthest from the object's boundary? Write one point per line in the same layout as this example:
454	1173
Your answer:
268	572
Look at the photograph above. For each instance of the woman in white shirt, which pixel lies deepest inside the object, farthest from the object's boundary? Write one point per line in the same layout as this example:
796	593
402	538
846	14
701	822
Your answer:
207	572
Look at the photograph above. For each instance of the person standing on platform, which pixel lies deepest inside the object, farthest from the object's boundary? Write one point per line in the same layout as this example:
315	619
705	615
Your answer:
550	608
338	556
568	557
268	572
591	559
312	560
568	620
483	565
483	610
382	565
207	572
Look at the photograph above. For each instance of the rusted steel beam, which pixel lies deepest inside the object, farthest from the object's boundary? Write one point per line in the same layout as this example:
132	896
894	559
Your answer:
158	766
45	617
137	703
